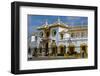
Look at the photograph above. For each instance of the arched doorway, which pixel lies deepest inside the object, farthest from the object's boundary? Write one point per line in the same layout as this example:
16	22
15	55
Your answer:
54	48
83	50
71	49
40	47
61	50
46	49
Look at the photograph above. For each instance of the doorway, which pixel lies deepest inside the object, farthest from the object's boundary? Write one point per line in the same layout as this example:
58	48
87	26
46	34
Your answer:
46	49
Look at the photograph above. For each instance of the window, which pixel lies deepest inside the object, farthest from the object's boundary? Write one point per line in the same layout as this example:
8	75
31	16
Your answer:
86	34
35	38
61	35
82	34
54	32
72	35
32	38
77	34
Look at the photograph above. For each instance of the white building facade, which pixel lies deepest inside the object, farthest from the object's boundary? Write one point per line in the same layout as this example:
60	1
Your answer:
60	39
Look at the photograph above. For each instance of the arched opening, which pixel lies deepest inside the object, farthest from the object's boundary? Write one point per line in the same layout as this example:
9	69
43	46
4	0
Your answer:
35	52
71	49
61	50
40	48
83	52
54	48
46	49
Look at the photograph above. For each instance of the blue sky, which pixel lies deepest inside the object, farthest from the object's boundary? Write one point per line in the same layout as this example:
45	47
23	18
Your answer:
37	20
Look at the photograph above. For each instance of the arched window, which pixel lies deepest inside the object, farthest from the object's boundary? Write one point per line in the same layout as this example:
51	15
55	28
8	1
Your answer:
86	34
54	32
82	34
77	34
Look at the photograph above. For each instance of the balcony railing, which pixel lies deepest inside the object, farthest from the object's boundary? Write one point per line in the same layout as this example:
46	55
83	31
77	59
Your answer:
72	39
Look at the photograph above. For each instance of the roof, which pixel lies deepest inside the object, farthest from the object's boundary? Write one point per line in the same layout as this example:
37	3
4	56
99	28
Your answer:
42	27
75	28
78	28
53	25
63	31
58	23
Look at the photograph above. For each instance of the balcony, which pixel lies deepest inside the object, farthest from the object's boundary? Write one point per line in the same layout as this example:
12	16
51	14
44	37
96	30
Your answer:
74	39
